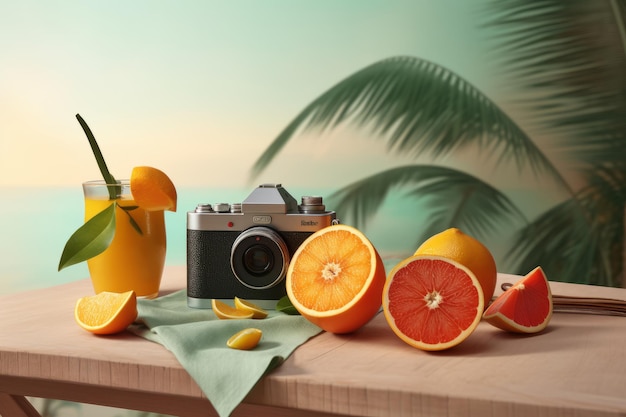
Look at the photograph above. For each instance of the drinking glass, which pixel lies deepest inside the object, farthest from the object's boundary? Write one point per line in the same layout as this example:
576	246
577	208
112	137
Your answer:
133	261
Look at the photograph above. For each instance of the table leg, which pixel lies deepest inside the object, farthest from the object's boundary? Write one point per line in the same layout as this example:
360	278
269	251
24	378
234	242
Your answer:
16	406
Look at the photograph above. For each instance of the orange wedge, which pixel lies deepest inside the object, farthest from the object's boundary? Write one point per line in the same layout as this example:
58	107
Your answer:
152	189
246	339
526	307
244	305
224	311
106	312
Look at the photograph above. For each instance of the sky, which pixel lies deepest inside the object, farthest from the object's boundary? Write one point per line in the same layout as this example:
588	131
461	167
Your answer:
199	89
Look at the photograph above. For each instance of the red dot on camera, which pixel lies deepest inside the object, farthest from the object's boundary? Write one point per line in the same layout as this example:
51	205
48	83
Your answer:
230	224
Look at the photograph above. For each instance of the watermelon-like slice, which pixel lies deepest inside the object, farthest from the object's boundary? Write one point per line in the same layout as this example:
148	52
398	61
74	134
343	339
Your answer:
526	307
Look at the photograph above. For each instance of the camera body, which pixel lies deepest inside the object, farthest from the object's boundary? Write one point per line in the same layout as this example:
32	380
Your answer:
243	250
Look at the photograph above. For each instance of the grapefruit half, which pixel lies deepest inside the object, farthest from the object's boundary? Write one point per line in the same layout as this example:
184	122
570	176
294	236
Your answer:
526	307
432	302
336	278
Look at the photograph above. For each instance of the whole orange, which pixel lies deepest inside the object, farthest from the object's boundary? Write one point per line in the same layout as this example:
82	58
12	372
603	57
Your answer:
466	250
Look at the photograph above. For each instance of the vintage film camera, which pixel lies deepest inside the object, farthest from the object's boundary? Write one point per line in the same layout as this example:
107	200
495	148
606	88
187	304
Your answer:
244	249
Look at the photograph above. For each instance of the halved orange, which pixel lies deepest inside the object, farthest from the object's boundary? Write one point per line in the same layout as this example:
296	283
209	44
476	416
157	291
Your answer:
224	311
106	312
432	302
526	307
152	189
245	339
336	278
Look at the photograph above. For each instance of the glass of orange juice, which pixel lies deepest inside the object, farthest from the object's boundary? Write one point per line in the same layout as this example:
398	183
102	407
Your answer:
134	260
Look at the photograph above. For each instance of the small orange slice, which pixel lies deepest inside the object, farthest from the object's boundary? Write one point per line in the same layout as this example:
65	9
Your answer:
245	339
336	278
244	305
224	311
152	189
106	312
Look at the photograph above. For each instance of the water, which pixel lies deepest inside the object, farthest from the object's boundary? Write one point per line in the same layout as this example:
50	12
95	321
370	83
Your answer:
35	223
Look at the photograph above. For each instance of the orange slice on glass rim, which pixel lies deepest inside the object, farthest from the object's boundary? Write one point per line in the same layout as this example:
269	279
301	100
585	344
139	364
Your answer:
152	189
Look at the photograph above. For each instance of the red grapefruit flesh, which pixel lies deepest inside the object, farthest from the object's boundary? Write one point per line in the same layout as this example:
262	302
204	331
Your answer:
432	302
526	307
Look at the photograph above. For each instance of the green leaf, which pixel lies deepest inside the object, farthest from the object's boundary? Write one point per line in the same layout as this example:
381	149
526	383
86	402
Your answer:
417	106
132	221
455	199
108	178
284	306
91	239
564	64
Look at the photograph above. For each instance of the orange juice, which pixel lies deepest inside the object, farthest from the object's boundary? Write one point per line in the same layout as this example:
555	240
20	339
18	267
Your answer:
133	261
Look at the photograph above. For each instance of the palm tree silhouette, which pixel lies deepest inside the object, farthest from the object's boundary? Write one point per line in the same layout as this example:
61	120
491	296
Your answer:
566	63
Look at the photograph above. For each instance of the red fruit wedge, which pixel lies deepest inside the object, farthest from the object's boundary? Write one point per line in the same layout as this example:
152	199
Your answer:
526	307
432	302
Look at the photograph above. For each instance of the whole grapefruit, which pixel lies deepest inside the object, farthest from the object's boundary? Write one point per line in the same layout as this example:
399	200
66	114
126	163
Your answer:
466	250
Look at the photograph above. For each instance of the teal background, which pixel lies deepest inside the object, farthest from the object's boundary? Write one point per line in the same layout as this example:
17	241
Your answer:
198	89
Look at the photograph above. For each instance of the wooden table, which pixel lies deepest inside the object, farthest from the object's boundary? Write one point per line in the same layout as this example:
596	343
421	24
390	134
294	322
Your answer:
577	367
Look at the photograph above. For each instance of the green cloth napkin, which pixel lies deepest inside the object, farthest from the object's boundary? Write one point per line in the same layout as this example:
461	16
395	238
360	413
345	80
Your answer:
198	340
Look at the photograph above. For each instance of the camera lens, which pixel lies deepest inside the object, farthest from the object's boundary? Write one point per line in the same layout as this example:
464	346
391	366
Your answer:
259	258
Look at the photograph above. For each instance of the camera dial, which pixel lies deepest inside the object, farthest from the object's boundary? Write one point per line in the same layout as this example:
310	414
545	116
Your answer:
311	204
221	207
259	258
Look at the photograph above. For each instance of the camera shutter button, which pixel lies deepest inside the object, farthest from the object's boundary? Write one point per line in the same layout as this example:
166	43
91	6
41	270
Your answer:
221	207
204	208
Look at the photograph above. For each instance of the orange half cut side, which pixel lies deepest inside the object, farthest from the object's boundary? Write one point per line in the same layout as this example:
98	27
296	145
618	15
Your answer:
335	279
